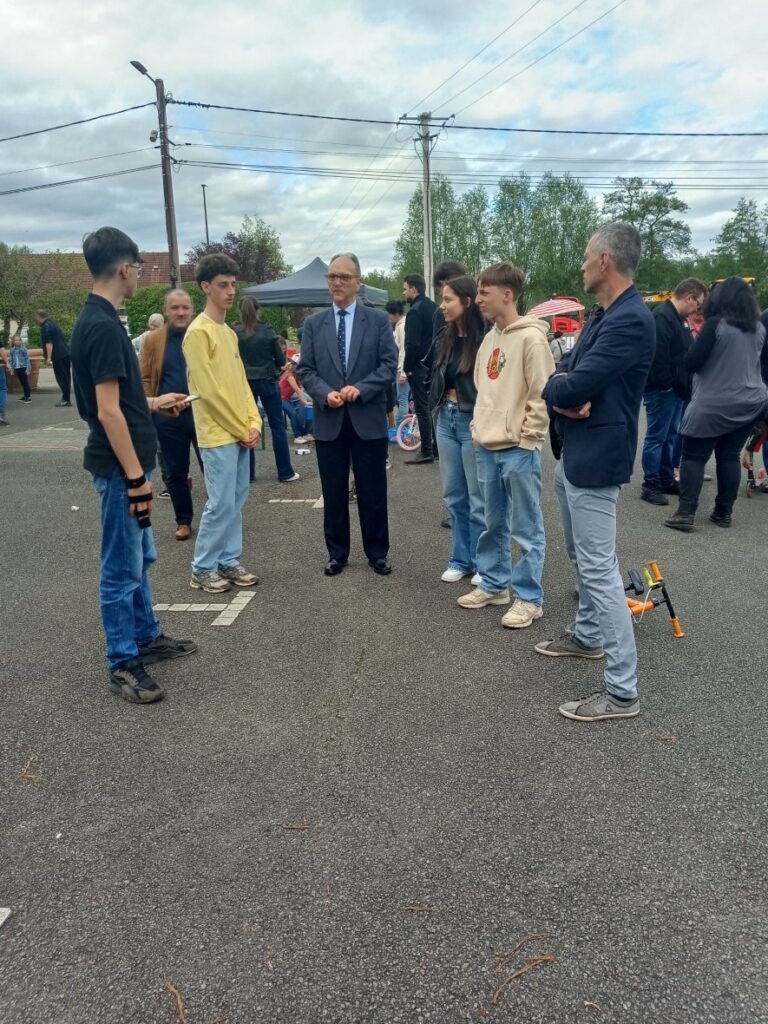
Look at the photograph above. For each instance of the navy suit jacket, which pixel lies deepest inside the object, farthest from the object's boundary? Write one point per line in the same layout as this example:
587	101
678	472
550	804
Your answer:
371	367
608	367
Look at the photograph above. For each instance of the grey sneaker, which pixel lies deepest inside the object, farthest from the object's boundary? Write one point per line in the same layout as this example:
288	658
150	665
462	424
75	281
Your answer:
211	582
238	575
133	683
598	706
567	646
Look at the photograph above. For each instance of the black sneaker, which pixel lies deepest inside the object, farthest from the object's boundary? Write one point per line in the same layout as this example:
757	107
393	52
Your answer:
131	682
673	488
163	647
720	518
654	496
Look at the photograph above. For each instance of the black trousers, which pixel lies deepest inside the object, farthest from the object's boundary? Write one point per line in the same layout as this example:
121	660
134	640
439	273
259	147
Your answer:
22	377
62	371
369	464
419	381
696	453
175	436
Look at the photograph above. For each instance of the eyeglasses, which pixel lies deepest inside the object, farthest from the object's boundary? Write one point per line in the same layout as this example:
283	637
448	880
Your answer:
139	268
341	278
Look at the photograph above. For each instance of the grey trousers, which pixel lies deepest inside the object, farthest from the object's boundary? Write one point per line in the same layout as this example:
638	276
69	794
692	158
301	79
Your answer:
603	618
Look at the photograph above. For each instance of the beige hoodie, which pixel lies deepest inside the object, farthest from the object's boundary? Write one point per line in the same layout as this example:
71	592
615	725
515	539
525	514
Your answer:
511	369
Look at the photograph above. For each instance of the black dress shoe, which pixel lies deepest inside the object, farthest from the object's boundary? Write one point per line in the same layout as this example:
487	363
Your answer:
419	460
333	567
380	565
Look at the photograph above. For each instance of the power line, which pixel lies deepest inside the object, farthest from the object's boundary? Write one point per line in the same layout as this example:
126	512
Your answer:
475	56
77	181
69	163
482	128
543	56
516	52
70	124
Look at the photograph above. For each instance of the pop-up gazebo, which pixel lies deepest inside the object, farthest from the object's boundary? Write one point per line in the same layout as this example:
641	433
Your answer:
308	287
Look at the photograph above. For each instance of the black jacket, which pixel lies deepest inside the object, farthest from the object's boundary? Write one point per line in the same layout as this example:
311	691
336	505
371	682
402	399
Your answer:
673	339
466	392
418	332
260	352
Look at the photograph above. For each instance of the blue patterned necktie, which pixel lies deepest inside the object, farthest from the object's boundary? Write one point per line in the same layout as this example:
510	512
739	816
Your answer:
342	340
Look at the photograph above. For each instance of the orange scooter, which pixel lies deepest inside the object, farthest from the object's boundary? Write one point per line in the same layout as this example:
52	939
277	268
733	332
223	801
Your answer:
649	583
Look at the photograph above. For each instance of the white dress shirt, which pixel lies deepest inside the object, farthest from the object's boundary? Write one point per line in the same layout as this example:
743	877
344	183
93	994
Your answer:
348	321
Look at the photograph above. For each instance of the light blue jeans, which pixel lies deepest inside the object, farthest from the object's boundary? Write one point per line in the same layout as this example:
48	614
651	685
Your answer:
510	481
403	397
461	490
220	533
127	552
603	618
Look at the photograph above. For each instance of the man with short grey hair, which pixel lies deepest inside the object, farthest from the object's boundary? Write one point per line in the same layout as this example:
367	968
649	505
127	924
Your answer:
594	399
154	323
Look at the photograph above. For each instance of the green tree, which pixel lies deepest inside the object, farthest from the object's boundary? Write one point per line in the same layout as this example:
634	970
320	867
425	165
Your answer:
741	247
652	208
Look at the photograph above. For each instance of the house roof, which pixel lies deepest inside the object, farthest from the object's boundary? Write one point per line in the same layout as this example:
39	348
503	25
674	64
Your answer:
58	270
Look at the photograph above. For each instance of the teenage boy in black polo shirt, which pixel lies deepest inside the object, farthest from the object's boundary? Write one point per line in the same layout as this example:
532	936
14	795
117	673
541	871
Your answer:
120	453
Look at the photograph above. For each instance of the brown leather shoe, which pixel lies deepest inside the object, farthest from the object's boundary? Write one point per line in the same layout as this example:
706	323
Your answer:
183	532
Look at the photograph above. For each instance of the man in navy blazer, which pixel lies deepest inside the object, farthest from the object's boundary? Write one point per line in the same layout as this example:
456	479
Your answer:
594	399
348	361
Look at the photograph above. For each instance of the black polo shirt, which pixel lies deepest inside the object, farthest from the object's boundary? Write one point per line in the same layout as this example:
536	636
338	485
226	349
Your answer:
101	351
53	335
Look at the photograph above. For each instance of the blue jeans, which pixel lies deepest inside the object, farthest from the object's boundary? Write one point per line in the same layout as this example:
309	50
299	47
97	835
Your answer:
461	490
269	393
127	552
662	411
220	533
295	410
403	398
3	393
603	618
510	481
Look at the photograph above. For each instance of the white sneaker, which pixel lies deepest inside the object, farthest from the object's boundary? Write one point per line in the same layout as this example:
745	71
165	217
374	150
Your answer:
453	575
522	614
479	598
290	479
301	440
476	580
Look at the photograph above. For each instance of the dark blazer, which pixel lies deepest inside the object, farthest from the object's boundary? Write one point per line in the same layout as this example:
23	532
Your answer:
419	332
608	367
371	367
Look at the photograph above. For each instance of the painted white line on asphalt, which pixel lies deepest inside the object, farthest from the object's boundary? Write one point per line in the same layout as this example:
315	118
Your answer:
5	913
292	501
227	612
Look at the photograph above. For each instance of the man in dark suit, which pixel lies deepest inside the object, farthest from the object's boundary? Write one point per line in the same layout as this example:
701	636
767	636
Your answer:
348	361
419	332
594	400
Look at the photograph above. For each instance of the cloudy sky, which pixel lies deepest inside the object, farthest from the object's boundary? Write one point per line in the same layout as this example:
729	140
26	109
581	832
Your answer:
647	65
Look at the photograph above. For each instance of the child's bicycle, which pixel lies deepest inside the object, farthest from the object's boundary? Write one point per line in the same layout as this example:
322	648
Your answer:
408	436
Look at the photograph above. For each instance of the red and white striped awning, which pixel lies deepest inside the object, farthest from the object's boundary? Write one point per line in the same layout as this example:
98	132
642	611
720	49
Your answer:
556	307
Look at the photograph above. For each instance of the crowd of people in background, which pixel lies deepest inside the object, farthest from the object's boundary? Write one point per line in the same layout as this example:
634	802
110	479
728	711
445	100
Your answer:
487	384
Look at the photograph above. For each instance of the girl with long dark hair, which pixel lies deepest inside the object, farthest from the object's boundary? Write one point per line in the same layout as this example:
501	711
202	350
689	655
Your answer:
452	400
728	397
264	360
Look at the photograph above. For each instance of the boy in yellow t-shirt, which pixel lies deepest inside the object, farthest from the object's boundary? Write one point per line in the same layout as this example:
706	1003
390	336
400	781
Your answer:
227	423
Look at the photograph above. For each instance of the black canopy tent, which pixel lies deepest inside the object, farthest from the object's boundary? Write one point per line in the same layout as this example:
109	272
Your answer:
308	287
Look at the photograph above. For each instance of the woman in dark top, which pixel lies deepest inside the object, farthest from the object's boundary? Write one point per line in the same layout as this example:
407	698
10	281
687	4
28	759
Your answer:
452	401
729	395
264	360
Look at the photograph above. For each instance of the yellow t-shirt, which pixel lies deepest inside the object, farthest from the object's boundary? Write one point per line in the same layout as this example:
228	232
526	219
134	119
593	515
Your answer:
226	411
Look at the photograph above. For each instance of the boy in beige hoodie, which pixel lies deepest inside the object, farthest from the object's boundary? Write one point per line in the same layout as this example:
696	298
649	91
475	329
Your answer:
509	426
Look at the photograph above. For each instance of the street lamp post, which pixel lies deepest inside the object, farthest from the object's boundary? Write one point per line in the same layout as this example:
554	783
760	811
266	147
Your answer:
165	163
205	213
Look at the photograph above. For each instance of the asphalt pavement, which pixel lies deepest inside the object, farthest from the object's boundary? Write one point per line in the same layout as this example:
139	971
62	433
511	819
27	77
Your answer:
358	799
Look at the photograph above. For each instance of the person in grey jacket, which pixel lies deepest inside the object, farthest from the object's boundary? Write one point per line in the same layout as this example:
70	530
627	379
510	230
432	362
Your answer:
729	395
